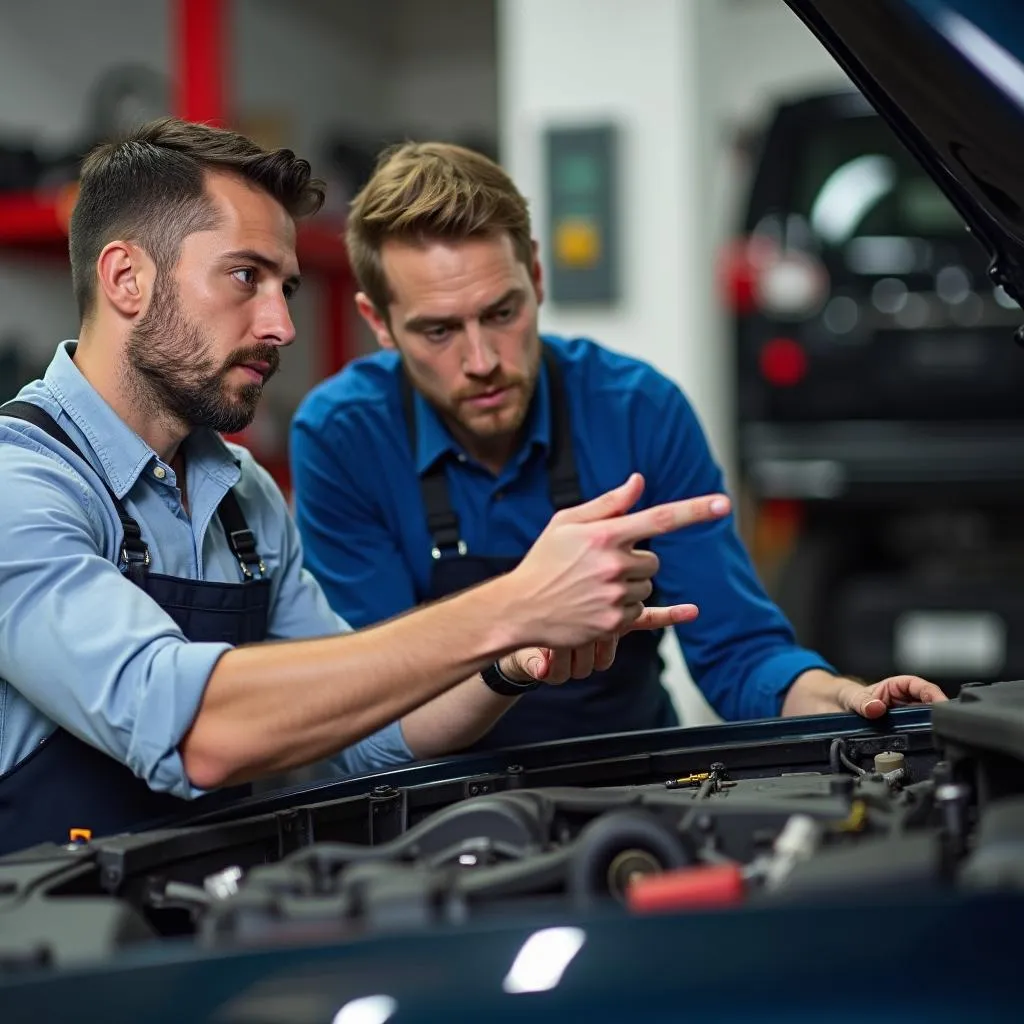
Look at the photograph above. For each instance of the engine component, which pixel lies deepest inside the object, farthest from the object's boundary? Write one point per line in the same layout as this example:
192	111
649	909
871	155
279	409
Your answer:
815	815
715	885
616	849
889	761
796	842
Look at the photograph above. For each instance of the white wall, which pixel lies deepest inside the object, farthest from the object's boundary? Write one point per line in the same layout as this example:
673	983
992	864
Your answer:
637	65
764	53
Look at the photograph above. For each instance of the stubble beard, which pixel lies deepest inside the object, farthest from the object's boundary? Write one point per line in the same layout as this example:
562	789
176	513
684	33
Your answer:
171	376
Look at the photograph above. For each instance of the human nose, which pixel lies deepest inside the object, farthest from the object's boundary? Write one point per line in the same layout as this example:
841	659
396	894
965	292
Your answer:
480	358
275	323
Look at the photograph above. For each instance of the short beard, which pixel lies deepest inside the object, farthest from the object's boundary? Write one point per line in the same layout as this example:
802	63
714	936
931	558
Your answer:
170	372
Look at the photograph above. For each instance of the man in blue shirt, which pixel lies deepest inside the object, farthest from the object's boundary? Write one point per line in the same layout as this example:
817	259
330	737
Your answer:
143	559
434	464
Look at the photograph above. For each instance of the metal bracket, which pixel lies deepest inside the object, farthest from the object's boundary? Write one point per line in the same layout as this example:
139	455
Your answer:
388	814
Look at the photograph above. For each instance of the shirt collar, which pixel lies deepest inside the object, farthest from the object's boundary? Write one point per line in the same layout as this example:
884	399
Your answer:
122	454
433	439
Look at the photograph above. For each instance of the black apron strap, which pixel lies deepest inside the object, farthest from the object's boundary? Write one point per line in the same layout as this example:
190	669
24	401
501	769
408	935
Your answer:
442	522
134	551
563	479
240	537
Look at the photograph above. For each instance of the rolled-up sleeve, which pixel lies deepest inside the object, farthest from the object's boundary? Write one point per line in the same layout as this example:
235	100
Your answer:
78	641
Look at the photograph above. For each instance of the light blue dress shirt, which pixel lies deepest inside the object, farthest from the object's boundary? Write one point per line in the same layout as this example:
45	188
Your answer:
84	648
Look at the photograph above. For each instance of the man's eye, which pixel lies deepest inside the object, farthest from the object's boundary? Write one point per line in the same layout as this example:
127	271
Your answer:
436	333
245	275
503	315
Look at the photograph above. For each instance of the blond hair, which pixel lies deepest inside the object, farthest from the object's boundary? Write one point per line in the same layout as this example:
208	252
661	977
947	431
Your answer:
424	191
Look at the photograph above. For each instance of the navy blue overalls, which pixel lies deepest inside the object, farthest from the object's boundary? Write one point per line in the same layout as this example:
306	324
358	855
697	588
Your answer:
66	783
626	697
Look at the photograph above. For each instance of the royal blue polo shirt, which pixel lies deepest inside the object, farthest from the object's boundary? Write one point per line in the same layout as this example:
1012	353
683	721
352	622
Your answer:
363	524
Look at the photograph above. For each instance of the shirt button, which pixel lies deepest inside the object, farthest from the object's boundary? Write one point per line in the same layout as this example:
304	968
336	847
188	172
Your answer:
461	457
159	472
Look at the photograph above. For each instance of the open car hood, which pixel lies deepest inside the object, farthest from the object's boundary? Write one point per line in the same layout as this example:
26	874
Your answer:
948	76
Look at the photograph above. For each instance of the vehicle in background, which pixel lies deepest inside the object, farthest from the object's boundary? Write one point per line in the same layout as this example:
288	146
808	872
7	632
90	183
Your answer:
881	431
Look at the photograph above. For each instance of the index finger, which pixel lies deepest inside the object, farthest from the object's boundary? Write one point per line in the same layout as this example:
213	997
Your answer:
667	518
662	618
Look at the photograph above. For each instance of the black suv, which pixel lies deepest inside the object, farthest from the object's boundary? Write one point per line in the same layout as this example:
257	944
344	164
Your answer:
871	343
878	396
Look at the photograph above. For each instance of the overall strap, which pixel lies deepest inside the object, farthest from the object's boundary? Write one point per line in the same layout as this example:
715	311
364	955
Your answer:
240	537
563	479
442	522
134	551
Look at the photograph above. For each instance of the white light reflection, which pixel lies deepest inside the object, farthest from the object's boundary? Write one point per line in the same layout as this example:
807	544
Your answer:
953	285
992	60
542	961
366	1010
883	254
848	194
841	314
1004	299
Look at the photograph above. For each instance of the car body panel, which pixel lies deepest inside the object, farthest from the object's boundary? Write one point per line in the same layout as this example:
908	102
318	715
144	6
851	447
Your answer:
832	961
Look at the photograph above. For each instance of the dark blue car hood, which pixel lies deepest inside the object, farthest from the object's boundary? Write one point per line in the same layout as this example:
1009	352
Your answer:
948	76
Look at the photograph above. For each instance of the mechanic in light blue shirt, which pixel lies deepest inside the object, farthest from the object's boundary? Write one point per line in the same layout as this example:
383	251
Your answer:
425	468
143	560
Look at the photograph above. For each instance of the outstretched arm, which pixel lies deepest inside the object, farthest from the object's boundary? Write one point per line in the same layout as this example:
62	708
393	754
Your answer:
268	708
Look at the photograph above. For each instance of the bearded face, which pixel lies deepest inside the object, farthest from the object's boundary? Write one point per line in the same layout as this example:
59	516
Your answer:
172	362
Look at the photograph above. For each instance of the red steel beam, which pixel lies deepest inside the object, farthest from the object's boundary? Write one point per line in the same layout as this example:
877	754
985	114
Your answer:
201	59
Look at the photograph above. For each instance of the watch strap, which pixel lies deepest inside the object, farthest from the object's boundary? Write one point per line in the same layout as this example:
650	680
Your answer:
500	683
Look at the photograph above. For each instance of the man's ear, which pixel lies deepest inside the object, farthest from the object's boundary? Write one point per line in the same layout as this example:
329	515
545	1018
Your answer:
537	272
376	323
125	276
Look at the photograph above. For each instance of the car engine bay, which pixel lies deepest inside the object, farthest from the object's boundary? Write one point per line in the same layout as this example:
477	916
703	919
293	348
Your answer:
925	801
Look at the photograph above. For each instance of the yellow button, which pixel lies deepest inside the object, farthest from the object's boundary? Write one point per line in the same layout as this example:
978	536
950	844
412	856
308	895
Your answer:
159	472
577	243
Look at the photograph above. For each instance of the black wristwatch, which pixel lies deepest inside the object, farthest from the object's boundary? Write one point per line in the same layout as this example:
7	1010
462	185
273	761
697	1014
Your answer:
500	683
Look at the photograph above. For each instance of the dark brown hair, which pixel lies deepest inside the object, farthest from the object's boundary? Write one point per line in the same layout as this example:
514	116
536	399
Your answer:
149	187
431	190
